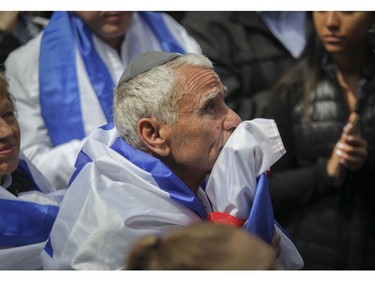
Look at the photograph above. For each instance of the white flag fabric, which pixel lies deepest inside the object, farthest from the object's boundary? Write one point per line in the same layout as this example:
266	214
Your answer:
117	195
26	220
249	152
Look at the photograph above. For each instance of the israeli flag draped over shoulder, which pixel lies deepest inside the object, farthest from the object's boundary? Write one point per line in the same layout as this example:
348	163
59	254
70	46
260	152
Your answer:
238	183
119	194
26	220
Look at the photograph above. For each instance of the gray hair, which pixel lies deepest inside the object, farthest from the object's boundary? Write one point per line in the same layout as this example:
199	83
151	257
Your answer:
152	94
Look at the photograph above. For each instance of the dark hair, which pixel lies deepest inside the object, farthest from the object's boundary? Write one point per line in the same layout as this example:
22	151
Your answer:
306	74
4	92
309	71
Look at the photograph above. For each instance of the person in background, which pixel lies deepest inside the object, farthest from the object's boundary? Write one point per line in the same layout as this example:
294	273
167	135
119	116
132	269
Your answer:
251	50
323	188
202	246
17	28
63	79
28	203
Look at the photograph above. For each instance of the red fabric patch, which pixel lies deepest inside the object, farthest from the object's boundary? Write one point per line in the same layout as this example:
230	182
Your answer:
217	217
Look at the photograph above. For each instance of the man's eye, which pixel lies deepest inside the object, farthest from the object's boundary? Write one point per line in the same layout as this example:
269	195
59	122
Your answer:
9	114
210	106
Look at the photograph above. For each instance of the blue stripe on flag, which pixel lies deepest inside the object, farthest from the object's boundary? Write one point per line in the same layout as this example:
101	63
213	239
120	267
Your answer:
48	247
82	160
23	223
163	176
261	219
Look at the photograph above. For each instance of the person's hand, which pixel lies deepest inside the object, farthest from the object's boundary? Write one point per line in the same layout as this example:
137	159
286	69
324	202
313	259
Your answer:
335	169
349	153
352	152
275	243
8	20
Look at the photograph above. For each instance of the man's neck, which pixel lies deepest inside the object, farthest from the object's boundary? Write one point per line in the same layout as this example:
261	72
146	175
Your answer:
115	42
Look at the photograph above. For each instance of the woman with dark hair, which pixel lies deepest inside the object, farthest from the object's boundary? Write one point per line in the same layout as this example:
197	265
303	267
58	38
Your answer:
323	189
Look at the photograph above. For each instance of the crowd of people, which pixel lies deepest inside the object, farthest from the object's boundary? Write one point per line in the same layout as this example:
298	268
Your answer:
123	133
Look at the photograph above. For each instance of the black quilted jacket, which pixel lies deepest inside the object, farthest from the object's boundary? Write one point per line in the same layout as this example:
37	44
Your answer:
332	228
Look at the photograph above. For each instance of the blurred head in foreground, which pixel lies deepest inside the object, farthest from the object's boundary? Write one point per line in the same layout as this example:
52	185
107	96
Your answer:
203	246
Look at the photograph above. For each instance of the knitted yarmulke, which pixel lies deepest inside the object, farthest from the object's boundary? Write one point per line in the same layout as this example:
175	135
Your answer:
146	62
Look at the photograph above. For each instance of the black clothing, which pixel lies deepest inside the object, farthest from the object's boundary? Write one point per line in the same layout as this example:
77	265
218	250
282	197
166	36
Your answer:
246	55
8	43
332	228
20	183
28	27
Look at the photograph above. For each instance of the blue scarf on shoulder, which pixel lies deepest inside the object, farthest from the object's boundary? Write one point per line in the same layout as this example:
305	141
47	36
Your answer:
25	222
58	84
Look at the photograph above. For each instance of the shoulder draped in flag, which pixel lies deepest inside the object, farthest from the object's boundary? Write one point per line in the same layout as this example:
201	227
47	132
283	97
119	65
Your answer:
117	195
26	220
238	183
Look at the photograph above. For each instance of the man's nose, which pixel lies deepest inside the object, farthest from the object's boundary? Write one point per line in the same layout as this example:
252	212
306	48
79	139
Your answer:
232	120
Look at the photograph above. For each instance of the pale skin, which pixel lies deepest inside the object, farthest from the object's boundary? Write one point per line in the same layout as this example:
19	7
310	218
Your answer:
109	26
204	123
344	35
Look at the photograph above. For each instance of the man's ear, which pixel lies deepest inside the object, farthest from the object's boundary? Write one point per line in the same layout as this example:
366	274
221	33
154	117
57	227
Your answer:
153	135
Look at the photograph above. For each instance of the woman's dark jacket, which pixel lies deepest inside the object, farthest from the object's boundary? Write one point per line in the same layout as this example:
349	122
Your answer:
332	228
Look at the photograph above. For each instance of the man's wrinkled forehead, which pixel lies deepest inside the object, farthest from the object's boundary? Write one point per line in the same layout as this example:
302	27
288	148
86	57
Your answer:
200	84
198	78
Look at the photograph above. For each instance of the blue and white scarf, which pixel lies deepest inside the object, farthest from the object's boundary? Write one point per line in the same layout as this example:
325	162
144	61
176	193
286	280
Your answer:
59	91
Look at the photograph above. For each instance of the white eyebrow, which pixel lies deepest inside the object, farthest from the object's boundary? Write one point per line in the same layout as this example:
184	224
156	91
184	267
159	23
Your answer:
212	96
207	99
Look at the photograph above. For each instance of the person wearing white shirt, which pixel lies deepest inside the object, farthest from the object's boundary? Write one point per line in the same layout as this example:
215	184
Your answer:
63	80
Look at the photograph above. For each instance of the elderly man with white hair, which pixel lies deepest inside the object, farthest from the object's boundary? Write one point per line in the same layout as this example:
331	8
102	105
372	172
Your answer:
146	173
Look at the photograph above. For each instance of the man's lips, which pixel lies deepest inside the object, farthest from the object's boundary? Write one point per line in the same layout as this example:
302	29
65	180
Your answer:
7	150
